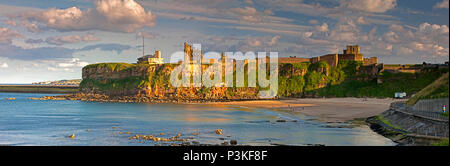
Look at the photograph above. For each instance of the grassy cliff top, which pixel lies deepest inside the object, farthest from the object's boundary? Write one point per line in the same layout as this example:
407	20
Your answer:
112	66
437	89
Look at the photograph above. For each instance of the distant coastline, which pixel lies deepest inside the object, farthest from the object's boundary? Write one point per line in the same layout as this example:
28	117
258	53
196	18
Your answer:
28	88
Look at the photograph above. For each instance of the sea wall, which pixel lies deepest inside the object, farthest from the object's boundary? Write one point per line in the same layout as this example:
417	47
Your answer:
409	127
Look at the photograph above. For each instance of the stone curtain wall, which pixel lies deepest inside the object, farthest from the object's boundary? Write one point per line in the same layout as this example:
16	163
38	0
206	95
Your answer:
331	59
371	60
293	60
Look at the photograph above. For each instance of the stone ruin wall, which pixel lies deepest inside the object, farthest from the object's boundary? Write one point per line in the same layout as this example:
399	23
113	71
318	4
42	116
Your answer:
401	68
331	59
371	60
352	57
293	60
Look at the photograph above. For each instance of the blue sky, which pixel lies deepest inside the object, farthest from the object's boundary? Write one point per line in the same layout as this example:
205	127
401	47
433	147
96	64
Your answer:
44	40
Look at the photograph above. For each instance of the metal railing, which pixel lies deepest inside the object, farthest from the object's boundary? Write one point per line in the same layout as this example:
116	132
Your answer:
433	105
433	114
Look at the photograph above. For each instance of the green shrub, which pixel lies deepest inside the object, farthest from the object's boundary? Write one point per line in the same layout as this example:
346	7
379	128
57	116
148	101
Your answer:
112	66
443	142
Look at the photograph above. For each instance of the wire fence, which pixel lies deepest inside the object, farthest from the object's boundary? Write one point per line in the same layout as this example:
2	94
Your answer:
432	109
433	115
431	105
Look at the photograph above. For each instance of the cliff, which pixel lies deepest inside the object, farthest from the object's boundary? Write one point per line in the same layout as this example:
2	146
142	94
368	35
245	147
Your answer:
305	79
151	81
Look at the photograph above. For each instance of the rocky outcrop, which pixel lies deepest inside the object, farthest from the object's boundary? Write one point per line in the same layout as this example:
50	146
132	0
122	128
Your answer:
153	81
150	82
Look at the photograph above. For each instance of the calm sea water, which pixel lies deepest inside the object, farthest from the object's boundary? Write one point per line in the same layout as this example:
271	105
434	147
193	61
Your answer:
33	122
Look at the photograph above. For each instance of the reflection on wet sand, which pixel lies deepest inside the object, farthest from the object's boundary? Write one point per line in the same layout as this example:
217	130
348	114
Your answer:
197	118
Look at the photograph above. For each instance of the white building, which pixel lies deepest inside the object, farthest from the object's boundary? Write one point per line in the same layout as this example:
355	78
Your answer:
151	59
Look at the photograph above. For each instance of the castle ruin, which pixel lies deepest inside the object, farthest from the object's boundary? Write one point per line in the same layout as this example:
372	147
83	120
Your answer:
194	55
351	53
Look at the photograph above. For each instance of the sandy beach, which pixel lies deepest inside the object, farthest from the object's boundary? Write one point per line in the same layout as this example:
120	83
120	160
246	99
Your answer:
325	109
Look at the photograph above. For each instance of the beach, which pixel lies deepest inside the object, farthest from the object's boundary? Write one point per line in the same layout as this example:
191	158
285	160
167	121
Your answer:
324	109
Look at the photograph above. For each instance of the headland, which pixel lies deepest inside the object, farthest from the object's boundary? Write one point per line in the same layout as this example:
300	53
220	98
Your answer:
57	89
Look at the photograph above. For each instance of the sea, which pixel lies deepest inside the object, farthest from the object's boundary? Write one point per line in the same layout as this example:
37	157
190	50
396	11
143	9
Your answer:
26	122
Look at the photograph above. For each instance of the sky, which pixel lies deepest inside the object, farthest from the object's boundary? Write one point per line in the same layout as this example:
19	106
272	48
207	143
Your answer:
46	40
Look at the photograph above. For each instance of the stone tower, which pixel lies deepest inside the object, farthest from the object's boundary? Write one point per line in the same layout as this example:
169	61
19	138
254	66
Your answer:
352	50
187	52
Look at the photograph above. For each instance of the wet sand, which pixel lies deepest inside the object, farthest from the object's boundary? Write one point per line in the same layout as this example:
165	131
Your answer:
326	110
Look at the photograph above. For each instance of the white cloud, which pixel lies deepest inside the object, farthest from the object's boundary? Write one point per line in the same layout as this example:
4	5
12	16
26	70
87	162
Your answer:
3	65
109	15
392	37
442	5
313	22
268	12
247	14
375	6
322	28
361	20
245	44
250	2
52	69
427	40
60	40
74	62
433	29
11	22
32	27
6	35
274	40
404	50
345	31
307	34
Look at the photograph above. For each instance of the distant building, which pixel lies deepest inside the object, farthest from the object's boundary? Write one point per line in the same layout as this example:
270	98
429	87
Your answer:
352	53
151	59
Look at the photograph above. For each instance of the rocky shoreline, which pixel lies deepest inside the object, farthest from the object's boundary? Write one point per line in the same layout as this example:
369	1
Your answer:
131	99
386	131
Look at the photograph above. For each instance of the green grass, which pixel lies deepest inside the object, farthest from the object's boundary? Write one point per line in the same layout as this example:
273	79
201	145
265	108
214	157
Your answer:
345	81
443	142
445	114
387	122
160	78
410	83
320	79
436	89
112	66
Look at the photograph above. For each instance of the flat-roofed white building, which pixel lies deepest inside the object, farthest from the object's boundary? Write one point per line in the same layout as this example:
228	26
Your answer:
151	59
